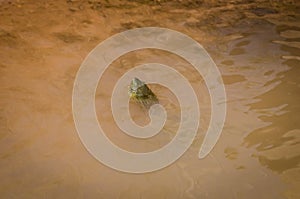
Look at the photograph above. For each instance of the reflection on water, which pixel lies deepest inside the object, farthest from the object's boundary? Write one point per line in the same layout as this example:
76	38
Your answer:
255	45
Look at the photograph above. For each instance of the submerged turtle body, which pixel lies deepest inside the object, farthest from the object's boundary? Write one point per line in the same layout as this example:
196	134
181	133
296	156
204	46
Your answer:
141	93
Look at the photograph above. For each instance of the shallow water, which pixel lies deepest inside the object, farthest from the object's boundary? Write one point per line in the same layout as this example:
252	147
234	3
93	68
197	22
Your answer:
255	48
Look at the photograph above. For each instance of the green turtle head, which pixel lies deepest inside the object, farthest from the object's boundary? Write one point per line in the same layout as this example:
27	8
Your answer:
135	84
139	91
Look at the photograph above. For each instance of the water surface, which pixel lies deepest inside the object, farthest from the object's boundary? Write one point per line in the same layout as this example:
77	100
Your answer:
256	47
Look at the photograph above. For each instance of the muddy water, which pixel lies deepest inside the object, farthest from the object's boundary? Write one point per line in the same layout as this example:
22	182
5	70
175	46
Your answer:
256	47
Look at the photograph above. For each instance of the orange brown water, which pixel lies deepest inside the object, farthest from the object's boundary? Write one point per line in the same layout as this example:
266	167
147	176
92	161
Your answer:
256	47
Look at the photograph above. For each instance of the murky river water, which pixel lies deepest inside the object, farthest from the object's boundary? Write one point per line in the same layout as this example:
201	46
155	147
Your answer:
255	46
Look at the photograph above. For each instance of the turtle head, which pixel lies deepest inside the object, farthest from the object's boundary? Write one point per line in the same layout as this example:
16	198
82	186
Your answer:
139	91
134	85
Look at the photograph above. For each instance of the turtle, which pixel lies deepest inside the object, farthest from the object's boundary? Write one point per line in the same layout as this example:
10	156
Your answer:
139	92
